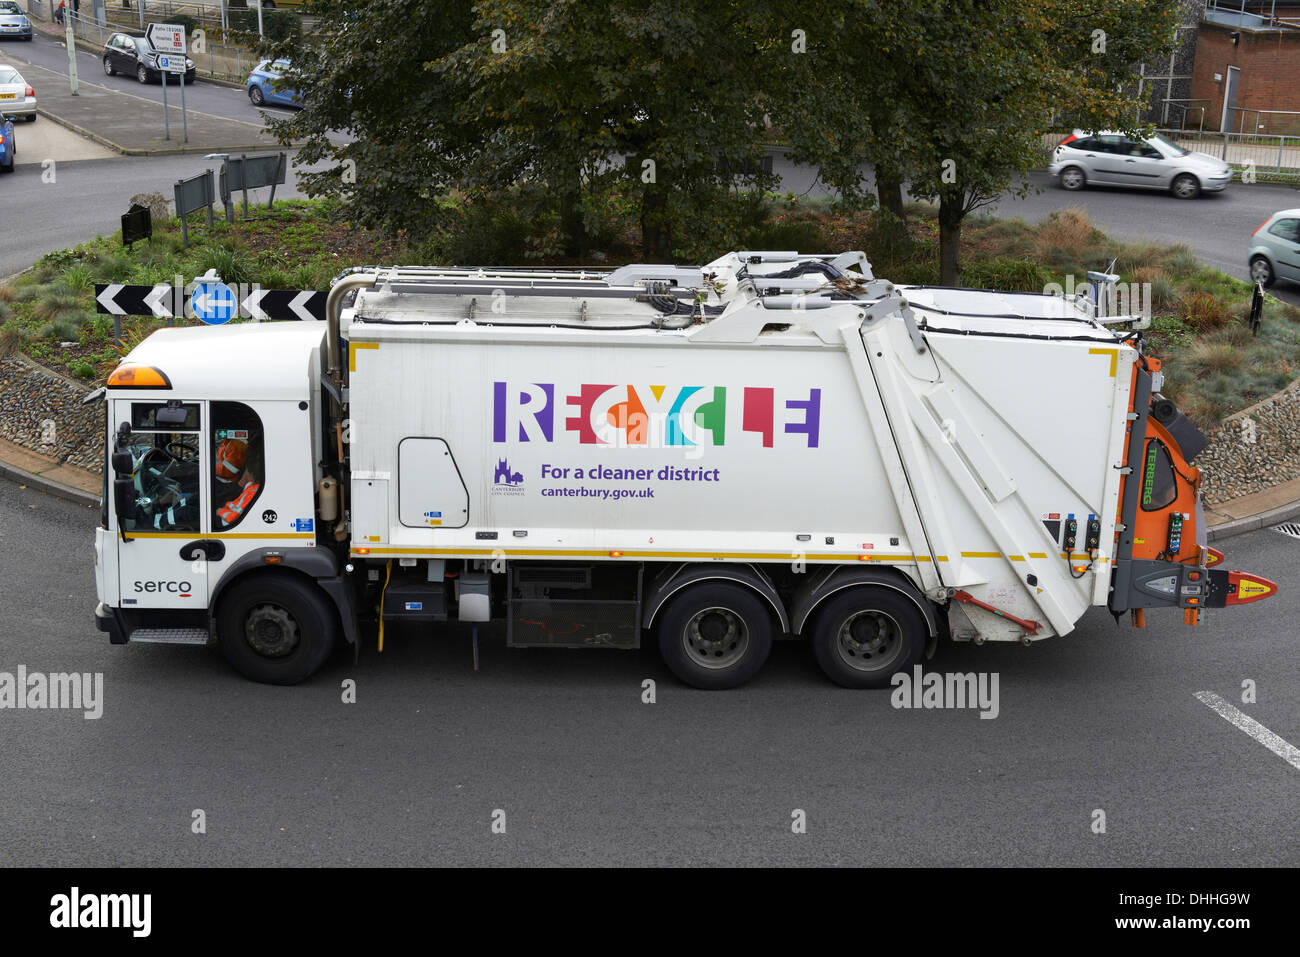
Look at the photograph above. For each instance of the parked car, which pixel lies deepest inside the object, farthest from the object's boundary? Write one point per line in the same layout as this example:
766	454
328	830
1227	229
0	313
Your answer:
17	98
265	86
133	56
1113	159
13	22
1275	248
8	148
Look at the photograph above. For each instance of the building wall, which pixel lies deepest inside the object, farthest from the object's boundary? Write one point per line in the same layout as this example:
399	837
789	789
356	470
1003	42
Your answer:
1269	61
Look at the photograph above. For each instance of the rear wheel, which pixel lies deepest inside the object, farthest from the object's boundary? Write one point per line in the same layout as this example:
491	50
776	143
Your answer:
108	67
255	94
715	635
142	74
276	629
1072	178
865	636
1186	186
32	118
1261	271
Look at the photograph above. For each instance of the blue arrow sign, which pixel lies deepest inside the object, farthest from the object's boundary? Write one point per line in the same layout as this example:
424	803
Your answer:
214	302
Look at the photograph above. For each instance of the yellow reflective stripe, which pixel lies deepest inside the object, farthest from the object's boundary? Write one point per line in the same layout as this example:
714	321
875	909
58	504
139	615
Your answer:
1114	357
1038	554
981	554
352	352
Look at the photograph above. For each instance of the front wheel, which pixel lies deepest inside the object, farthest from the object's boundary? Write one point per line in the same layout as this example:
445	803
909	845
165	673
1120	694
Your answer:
1072	178
1186	186
1261	271
864	636
715	635
276	629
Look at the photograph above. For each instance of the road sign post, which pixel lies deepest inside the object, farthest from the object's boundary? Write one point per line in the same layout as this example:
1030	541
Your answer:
169	40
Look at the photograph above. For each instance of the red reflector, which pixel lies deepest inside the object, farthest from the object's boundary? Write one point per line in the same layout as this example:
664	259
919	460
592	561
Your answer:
1244	587
615	554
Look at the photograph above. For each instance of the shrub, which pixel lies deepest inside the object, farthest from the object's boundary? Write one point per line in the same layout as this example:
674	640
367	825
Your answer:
1202	311
1010	275
1067	235
56	301
804	235
12	338
232	265
157	204
1217	357
79	278
7	292
82	369
6	313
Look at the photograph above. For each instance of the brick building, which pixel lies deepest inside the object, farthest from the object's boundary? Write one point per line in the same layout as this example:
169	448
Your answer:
1245	74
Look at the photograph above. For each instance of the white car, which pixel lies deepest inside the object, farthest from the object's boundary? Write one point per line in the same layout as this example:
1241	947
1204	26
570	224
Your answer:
17	98
1113	159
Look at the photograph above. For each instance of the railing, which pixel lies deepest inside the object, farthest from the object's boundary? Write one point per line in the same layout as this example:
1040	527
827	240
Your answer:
1260	152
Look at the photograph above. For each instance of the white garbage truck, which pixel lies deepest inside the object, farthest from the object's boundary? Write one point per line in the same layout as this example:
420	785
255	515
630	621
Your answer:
770	446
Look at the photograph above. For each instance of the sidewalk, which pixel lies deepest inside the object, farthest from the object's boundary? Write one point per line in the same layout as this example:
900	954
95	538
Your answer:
133	124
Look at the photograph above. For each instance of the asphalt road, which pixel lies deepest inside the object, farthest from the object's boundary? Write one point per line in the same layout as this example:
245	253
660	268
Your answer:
586	773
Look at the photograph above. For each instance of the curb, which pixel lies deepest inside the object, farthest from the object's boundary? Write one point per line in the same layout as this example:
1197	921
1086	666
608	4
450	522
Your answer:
125	151
48	486
1252	523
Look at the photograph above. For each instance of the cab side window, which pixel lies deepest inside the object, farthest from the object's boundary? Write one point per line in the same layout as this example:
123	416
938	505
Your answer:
165	459
238	463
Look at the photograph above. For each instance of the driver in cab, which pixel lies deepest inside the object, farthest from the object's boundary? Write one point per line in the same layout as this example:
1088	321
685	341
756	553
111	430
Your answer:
177	508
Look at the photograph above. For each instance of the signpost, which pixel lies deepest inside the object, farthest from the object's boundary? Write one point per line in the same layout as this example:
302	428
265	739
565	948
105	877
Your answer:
71	42
169	40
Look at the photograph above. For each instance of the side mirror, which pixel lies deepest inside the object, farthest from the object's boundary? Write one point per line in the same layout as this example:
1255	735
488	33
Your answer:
122	462
123	499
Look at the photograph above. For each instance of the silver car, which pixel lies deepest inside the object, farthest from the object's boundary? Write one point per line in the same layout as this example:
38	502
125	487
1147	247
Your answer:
1113	159
17	98
1275	248
13	22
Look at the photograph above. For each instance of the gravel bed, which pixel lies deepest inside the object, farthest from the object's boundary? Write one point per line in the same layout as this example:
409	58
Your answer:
42	411
1254	449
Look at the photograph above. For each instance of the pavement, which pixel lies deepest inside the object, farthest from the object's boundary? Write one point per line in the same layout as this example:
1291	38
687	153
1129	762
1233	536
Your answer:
117	120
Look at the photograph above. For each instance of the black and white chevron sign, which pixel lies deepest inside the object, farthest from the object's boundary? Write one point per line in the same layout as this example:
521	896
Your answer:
166	301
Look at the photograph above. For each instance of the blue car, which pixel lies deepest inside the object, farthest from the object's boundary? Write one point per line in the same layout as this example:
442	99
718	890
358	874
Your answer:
266	89
7	146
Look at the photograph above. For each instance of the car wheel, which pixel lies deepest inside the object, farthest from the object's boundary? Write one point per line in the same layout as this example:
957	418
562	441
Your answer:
1261	271
108	67
715	635
1186	186
10	167
255	94
276	629
864	637
142	74
1072	178
32	118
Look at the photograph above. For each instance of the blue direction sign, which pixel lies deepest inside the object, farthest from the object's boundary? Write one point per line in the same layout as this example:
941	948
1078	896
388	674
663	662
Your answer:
214	302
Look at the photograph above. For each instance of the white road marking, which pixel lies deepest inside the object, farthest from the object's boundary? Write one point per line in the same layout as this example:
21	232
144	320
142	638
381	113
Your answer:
1284	750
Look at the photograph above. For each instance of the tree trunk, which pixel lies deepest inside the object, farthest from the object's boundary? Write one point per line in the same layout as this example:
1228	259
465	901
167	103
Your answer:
890	194
576	241
950	217
656	237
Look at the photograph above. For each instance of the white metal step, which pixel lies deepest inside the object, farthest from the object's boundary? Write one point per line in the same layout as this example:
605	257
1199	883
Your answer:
170	636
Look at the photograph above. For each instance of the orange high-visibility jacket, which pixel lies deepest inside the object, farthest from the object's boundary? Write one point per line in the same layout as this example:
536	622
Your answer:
233	510
230	459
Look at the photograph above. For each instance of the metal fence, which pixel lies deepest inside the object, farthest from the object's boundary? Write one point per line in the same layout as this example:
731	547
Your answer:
1260	152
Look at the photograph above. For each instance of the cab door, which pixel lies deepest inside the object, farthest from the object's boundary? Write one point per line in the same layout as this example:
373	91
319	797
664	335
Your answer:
163	545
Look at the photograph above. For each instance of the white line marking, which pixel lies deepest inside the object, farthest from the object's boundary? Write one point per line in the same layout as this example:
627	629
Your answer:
1287	752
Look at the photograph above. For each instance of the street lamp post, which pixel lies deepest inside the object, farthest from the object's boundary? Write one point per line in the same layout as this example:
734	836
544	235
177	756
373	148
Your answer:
71	42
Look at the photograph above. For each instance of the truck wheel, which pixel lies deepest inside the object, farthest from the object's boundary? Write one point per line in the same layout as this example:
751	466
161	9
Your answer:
715	636
276	629
865	636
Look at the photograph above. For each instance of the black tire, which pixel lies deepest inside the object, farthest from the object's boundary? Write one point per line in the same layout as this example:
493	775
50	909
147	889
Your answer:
108	67
7	169
1261	271
862	637
142	74
291	618
32	118
255	95
715	635
1185	186
1073	178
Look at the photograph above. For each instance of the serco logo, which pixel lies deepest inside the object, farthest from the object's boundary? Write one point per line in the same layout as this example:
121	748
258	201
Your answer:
654	416
183	589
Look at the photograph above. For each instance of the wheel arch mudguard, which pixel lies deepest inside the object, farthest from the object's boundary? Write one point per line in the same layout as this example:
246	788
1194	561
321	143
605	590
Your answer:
318	564
675	579
831	581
